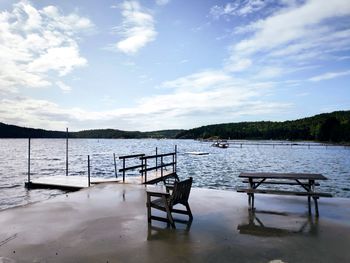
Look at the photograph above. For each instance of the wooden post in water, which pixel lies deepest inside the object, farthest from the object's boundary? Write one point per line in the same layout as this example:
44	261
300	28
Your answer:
145	170
123	170
89	170
175	158
67	152
156	158
115	166
28	162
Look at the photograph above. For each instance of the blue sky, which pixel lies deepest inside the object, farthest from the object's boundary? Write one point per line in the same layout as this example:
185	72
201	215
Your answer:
164	64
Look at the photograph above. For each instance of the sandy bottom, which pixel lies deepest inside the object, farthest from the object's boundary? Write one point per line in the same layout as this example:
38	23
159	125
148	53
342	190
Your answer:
107	223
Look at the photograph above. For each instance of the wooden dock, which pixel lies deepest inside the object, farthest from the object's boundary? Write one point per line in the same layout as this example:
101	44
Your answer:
148	174
67	182
73	183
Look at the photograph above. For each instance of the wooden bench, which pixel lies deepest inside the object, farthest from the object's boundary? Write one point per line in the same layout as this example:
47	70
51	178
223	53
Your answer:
166	202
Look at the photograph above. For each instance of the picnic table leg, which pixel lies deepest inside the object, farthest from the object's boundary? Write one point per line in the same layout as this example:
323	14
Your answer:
250	196
309	197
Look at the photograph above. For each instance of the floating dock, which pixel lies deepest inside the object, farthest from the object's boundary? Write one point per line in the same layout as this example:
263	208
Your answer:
67	182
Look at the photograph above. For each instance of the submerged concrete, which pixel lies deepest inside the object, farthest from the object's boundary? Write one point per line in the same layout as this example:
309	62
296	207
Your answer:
107	223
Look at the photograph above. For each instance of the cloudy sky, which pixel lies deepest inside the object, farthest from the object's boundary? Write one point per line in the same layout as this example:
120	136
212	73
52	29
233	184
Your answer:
163	64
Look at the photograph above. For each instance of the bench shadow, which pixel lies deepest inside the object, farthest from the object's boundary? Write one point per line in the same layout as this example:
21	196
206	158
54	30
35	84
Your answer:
277	224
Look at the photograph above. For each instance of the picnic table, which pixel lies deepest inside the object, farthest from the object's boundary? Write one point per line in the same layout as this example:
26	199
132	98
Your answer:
306	181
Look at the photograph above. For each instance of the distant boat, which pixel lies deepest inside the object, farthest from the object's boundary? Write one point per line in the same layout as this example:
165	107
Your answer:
220	144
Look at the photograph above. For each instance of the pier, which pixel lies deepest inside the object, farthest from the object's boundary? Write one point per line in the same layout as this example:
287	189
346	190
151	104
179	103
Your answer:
152	169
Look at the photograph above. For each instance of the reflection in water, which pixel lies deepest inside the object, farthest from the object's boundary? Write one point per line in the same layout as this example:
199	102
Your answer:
159	233
278	224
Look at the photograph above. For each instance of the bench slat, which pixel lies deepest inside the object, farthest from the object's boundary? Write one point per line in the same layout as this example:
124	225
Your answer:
278	182
280	192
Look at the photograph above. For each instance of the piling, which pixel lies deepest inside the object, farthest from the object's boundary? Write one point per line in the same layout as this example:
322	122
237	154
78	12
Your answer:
115	166
89	170
28	162
67	152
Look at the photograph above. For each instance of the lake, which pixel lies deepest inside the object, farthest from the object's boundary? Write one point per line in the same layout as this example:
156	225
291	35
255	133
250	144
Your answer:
218	170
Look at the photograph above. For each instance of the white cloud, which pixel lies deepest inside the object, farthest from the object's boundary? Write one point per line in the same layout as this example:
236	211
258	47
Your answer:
194	100
238	8
137	28
64	87
34	42
204	80
290	25
238	64
295	35
330	75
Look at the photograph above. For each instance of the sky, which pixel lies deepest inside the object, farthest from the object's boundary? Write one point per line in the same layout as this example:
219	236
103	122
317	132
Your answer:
171	64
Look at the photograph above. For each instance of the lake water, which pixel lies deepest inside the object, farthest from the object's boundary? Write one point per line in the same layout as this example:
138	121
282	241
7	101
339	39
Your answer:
218	170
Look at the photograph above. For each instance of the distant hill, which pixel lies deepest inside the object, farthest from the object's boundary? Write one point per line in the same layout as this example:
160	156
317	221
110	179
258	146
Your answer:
333	127
12	131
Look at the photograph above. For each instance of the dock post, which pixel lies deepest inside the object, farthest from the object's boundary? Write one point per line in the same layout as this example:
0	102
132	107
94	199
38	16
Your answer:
67	152
174	163
28	163
145	170
89	170
123	170
115	167
175	158
156	158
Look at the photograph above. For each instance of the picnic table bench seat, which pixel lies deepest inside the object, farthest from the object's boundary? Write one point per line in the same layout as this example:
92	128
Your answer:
282	192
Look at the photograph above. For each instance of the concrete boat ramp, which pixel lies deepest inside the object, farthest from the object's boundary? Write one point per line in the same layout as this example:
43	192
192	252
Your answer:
108	223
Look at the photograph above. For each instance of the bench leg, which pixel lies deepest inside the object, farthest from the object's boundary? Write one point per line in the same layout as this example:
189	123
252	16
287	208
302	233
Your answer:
249	199
168	212
253	202
316	206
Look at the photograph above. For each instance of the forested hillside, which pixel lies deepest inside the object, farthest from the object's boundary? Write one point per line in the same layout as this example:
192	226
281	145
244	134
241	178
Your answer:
12	131
333	127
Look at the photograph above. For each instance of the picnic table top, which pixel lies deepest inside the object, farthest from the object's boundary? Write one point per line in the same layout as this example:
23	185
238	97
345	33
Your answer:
305	176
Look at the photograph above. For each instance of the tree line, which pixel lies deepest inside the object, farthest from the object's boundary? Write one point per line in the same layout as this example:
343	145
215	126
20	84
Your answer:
328	127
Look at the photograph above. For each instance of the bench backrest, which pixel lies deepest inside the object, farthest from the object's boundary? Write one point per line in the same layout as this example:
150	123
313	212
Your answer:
181	192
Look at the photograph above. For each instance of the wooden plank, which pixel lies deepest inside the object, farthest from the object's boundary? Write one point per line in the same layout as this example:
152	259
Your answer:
131	168
157	156
280	192
132	156
301	176
281	182
156	167
155	180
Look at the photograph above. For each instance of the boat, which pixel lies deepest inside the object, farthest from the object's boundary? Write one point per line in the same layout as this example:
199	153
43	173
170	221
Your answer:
220	144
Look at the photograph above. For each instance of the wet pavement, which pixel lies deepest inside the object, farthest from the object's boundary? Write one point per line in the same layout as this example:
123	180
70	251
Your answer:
108	223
